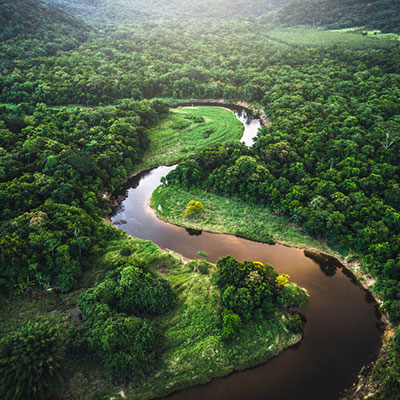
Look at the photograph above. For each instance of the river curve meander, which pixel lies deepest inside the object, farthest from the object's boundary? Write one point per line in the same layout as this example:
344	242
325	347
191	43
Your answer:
341	333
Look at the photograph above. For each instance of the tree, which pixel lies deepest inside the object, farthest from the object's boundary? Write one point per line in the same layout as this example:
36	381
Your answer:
194	208
30	358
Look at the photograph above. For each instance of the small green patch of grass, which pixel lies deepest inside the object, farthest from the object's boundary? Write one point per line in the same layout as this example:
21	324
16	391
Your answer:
231	216
188	130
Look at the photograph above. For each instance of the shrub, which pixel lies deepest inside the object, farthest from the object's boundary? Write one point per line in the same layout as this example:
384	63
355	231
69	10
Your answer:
129	347
282	280
292	295
139	293
295	323
202	253
125	251
231	325
203	268
194	208
29	361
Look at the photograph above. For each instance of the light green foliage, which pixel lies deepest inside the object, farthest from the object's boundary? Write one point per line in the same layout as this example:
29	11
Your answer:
183	133
291	295
202	253
231	216
30	361
200	266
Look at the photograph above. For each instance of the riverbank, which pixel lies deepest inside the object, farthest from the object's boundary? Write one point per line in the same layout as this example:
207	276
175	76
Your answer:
232	216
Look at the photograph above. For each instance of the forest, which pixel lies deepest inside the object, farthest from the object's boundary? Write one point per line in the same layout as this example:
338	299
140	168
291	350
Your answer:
84	86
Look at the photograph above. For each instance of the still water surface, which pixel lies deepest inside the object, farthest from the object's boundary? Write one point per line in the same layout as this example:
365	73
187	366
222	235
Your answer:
341	332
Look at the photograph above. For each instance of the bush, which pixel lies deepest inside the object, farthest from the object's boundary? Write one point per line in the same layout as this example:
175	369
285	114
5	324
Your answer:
231	325
292	295
194	208
139	293
29	361
295	324
125	251
129	347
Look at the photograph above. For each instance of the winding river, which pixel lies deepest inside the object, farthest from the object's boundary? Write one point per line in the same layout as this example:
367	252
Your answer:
342	331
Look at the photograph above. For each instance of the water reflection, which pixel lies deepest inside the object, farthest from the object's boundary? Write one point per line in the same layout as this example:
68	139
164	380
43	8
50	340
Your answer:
193	232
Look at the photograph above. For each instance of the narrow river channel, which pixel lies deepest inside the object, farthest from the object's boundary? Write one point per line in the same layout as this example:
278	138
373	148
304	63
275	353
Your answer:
341	333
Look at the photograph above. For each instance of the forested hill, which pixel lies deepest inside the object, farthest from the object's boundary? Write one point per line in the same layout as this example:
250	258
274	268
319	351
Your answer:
335	14
131	11
31	28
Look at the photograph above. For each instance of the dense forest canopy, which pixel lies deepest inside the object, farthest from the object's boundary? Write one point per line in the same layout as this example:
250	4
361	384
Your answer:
383	15
133	11
77	103
30	28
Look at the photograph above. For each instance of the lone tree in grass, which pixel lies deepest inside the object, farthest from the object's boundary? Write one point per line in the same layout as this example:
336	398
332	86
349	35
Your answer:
194	208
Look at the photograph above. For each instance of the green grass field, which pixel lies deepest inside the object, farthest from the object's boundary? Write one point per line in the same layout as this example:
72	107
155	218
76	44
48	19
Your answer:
188	130
347	38
232	216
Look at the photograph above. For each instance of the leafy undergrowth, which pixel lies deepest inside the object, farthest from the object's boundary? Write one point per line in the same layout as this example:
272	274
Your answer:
188	130
231	216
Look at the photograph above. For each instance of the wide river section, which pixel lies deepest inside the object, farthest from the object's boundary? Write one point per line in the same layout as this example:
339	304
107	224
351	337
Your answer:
342	331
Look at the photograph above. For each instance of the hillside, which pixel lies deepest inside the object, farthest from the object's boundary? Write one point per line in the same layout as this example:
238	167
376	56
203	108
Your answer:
131	11
335	14
31	28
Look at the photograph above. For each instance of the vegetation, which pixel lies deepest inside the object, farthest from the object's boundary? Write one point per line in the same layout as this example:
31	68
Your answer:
375	14
328	162
30	361
112	12
234	216
188	130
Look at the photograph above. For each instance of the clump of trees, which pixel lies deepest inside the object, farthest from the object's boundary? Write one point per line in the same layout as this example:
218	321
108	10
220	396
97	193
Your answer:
250	290
117	324
54	166
30	361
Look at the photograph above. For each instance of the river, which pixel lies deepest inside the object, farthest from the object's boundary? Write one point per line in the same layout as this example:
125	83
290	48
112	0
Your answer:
342	331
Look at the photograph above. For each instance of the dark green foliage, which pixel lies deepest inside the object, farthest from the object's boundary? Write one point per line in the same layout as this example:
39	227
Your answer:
387	370
334	14
127	345
139	293
30	359
103	12
231	324
295	324
54	165
249	291
31	28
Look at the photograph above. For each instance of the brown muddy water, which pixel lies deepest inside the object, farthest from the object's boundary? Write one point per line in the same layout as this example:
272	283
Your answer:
342	330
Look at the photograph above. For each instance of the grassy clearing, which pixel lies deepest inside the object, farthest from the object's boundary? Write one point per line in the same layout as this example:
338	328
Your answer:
232	216
188	130
194	353
351	39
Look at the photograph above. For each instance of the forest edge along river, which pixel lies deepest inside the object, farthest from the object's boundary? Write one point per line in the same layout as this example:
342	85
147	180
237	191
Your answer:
343	322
